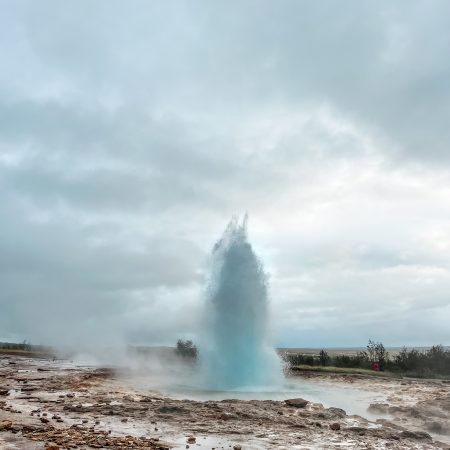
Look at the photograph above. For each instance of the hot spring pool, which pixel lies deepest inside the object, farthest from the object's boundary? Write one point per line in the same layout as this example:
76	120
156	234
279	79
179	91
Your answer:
351	399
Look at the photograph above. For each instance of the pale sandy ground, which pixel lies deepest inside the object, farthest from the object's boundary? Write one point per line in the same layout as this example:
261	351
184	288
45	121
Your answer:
55	404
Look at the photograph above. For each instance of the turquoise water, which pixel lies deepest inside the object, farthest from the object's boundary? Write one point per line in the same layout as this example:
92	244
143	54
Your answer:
235	348
352	400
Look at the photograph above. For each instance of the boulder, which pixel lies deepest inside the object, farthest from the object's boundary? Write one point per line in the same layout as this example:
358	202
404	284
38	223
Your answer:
382	408
415	435
296	402
171	409
335	426
336	412
435	427
5	425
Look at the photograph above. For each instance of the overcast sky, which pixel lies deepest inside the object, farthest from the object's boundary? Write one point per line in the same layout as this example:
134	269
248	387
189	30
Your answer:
130	133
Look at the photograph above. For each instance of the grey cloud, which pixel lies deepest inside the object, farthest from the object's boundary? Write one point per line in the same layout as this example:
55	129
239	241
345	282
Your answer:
129	133
57	274
383	64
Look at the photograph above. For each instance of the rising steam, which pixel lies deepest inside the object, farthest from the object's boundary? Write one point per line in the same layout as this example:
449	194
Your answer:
236	351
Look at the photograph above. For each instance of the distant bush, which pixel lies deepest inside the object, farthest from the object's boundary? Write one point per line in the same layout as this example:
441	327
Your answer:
186	349
24	346
360	360
16	346
377	353
436	360
298	359
324	358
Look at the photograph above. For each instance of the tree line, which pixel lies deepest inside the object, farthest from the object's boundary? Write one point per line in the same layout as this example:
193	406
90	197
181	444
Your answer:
25	345
413	362
186	349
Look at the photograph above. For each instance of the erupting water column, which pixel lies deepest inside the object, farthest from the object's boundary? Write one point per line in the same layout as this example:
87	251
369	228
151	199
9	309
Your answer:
236	352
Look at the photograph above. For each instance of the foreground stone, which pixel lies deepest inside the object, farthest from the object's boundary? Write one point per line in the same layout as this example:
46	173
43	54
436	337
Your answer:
95	408
297	402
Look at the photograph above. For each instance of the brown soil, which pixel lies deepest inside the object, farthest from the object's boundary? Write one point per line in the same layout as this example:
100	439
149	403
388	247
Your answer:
53	404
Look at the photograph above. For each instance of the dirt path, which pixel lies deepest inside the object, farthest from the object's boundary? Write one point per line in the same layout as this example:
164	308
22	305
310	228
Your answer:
54	404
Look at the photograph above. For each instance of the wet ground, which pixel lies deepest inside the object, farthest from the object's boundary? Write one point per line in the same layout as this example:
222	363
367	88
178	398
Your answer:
56	404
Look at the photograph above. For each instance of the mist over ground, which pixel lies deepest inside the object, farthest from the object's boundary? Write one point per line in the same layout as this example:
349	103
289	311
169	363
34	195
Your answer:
125	147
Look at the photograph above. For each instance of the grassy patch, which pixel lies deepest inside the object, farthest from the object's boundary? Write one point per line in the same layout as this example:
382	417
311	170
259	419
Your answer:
344	370
26	353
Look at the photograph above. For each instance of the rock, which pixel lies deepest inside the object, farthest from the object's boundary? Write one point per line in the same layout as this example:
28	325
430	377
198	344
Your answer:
191	440
28	388
44	420
335	426
434	427
124	420
33	428
382	408
296	402
4	392
52	447
167	409
359	430
227	416
237	447
414	412
5	425
415	435
336	412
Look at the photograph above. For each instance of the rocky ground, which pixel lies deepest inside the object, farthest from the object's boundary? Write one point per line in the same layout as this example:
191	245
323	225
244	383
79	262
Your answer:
55	405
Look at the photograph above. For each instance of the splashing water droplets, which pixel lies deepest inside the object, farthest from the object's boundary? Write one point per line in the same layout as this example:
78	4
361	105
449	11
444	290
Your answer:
235	350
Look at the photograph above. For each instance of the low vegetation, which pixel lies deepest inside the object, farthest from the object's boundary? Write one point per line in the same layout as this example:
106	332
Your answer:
24	348
341	370
186	350
431	363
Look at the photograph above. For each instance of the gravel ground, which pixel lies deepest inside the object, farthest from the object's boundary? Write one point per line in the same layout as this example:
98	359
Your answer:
56	404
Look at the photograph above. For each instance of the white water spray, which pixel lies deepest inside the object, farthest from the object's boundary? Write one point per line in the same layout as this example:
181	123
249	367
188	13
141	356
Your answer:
236	351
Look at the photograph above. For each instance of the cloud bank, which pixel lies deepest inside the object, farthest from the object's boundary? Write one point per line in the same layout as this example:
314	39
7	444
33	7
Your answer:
130	133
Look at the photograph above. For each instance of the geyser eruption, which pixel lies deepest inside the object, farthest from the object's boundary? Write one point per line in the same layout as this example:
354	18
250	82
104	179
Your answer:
236	351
